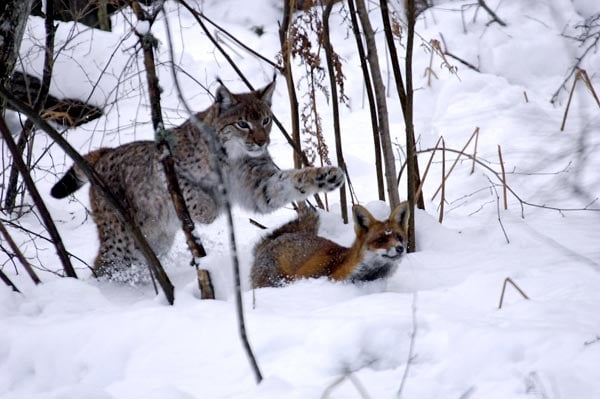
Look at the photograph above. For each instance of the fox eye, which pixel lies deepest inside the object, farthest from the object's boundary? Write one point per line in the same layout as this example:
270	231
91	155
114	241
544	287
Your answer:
243	125
381	240
266	121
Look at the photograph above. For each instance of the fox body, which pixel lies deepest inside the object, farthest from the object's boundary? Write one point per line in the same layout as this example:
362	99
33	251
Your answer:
295	250
134	173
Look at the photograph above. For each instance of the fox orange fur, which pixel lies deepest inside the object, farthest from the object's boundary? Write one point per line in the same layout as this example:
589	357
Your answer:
295	251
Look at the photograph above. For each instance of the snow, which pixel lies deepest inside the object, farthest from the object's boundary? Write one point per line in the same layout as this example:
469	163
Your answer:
86	338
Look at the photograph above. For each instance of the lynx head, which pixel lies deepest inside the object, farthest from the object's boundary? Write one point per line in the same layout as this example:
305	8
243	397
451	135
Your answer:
385	239
244	120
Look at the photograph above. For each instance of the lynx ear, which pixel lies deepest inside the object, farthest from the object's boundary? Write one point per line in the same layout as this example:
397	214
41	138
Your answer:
266	93
400	215
362	218
224	98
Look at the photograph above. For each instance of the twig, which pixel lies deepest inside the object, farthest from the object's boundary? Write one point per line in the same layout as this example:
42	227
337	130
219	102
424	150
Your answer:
509	280
475	152
503	177
7	281
462	152
495	18
443	185
455	57
37	199
564	121
19	254
411	348
210	134
257	224
498	210
420	188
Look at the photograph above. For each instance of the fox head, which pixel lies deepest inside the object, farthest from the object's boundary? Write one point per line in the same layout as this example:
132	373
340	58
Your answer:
382	239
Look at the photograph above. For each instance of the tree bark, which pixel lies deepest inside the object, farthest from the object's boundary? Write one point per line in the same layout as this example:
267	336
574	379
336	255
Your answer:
382	112
13	18
371	100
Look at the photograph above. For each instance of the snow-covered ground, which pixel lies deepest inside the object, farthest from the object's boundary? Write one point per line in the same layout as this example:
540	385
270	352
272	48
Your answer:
436	320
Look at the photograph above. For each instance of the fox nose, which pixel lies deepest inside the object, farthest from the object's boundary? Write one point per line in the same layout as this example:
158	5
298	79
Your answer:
399	249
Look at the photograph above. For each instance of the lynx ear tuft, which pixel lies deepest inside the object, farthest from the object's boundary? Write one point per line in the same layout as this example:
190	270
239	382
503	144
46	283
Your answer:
224	98
266	93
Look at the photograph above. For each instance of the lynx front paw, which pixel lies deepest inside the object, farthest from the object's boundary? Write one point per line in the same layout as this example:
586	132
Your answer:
329	178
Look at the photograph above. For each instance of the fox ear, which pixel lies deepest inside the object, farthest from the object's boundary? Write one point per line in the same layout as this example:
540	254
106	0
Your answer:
400	215
362	218
223	97
266	93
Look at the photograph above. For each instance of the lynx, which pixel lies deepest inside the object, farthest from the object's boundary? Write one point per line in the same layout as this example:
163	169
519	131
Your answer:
295	251
134	173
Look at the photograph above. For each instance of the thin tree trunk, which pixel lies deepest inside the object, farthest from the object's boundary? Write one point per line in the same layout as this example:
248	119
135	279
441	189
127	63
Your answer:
7	281
334	104
288	5
162	146
382	112
371	99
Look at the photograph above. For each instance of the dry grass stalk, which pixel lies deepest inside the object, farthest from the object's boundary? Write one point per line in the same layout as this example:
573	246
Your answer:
420	188
429	70
475	150
509	280
525	95
476	132
443	184
581	74
503	178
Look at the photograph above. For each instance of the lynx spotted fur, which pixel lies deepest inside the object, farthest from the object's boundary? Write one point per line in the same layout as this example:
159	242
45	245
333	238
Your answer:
134	173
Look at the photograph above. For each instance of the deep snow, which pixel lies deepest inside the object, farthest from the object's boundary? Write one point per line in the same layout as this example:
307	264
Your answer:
94	339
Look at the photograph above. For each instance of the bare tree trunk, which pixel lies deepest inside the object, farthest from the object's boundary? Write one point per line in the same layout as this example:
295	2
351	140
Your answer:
289	78
382	112
371	100
162	144
334	104
406	101
13	18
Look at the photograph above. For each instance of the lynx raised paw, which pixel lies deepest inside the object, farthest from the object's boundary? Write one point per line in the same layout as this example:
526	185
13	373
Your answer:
329	178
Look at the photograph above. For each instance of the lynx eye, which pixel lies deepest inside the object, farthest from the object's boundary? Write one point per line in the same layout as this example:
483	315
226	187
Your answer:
266	121
243	125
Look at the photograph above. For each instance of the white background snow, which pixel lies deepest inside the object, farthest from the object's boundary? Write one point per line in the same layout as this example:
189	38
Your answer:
92	339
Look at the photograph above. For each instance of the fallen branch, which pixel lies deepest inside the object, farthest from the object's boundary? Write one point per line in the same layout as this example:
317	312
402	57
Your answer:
7	281
509	280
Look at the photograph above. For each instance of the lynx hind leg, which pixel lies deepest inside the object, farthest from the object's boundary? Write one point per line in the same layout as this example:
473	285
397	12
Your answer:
118	258
323	179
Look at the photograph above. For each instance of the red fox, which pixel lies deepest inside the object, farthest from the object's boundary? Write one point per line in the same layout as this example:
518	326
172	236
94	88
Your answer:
295	251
